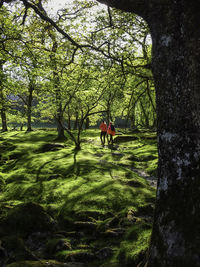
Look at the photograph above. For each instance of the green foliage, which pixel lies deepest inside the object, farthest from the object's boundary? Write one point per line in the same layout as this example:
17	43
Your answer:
108	77
44	77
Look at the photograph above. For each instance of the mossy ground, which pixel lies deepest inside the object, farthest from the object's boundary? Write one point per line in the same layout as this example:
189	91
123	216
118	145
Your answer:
91	192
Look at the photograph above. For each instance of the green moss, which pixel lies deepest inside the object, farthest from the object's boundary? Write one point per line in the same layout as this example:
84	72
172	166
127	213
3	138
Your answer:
132	253
75	255
94	184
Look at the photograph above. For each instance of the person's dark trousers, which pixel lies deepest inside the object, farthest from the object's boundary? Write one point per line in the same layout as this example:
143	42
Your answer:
102	136
111	139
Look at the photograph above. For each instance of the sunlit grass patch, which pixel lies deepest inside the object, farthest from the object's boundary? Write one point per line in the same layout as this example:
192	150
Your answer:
132	253
95	185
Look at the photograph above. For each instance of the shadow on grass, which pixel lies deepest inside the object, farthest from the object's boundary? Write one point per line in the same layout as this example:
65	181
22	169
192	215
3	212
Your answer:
72	181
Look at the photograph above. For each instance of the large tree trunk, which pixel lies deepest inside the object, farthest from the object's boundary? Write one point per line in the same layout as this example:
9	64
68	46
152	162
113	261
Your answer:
176	68
175	33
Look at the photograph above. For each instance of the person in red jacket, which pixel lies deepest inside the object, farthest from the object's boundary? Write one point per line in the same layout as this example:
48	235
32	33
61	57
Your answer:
103	127
111	132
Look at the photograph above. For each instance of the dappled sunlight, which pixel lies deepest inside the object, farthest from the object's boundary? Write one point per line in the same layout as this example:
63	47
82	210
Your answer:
91	187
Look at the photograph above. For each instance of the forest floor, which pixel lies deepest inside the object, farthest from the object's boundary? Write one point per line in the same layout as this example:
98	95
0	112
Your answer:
61	207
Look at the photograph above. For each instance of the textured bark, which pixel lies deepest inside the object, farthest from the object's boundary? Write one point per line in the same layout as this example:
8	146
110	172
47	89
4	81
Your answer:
175	34
176	55
136	6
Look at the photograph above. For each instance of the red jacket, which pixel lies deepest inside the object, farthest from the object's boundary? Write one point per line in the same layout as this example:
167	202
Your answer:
103	127
110	131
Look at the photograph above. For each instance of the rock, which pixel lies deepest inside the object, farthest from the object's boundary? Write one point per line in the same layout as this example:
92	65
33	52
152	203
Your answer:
104	253
76	256
133	158
134	184
88	226
83	257
16	249
3	255
55	245
26	219
44	263
86	215
36	243
145	210
118	155
116	232
113	222
74	264
54	176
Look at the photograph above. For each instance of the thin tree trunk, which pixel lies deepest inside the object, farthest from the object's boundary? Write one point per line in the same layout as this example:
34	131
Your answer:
69	120
76	122
3	120
2	103
146	118
87	123
132	119
29	108
59	123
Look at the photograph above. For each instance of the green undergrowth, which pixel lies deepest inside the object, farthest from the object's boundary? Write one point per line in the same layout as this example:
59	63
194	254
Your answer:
93	193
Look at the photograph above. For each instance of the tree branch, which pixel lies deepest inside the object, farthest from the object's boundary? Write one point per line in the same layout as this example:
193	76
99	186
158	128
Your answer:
46	18
137	6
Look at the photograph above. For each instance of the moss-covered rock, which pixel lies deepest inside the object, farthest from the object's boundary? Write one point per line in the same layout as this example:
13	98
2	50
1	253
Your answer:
104	253
42	263
78	255
25	219
16	249
56	244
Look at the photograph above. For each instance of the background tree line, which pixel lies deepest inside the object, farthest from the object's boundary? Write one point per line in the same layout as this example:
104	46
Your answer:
45	78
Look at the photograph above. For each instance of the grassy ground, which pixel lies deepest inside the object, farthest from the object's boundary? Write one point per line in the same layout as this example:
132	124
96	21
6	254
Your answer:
100	207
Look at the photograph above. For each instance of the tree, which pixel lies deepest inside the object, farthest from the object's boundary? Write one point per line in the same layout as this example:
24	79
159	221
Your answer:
2	102
176	54
8	35
175	64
